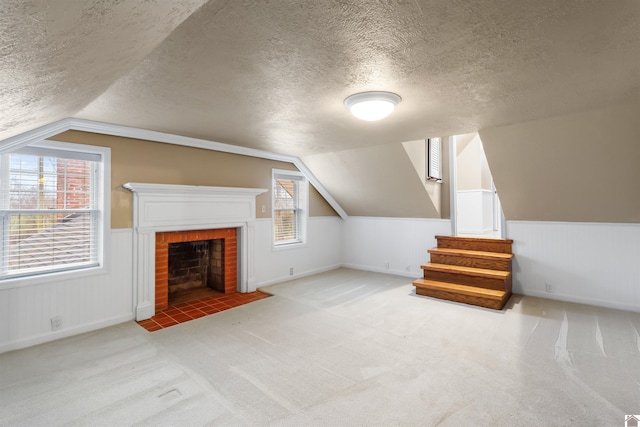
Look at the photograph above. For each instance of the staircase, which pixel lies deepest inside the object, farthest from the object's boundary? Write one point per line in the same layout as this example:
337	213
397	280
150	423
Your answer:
470	270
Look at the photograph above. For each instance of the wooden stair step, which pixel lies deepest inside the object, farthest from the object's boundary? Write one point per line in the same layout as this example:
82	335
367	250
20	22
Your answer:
488	298
469	258
475	243
467	271
472	254
470	276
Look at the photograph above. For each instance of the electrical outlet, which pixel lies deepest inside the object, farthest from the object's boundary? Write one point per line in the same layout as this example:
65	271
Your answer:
56	323
386	264
408	268
264	209
291	271
549	288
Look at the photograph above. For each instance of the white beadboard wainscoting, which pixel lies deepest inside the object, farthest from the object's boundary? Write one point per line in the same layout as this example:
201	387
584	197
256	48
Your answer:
589	263
597	264
321	252
390	245
84	304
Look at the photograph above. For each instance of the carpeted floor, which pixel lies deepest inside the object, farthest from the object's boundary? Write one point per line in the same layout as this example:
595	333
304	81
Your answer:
342	348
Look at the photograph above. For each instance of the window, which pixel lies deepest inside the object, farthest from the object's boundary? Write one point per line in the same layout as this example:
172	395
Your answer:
434	160
53	210
289	207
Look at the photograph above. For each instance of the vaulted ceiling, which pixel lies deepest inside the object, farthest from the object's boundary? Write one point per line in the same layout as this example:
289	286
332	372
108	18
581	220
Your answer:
273	75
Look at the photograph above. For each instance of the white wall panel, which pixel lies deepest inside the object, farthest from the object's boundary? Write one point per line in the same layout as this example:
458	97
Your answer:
475	211
84	304
590	263
321	252
487	211
390	245
596	264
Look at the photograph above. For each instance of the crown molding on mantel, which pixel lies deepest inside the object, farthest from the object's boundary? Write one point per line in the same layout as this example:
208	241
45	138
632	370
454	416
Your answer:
72	123
168	189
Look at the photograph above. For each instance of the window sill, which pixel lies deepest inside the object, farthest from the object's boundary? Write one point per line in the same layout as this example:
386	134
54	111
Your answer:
47	278
287	246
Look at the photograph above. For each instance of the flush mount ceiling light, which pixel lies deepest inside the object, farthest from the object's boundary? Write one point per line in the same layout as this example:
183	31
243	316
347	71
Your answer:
372	106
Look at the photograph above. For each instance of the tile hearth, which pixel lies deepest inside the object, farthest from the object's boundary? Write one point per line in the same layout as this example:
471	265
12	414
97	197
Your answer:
189	310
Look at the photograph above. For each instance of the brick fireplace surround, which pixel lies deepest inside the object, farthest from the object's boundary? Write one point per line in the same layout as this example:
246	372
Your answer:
163	239
161	210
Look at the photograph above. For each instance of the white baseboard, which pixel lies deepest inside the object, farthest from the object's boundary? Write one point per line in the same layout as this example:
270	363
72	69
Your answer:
297	276
582	300
145	311
64	333
383	270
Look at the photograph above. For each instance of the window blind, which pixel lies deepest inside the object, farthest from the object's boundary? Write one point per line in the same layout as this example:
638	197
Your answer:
50	212
286	209
434	161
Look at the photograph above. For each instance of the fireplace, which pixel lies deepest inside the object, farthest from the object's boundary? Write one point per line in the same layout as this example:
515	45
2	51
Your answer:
203	258
164	214
196	264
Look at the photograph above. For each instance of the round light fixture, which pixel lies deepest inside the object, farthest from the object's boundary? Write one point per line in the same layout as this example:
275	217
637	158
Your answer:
372	106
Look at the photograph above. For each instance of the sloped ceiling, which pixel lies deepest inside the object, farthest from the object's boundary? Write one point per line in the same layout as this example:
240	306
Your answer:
273	75
374	181
58	57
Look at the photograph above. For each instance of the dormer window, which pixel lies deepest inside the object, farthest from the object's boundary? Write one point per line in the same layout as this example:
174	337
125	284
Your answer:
290	202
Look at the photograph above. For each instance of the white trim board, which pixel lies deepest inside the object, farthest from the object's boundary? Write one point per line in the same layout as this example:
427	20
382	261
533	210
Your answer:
475	190
64	333
409	274
263	286
163	207
393	218
72	123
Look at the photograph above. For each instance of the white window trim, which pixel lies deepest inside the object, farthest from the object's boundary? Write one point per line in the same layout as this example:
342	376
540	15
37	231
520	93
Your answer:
103	231
434	159
303	208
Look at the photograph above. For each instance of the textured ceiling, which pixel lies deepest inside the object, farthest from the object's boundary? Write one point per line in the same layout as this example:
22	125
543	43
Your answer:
58	56
273	74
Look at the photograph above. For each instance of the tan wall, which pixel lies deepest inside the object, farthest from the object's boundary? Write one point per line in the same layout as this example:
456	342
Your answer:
318	206
134	160
468	169
417	153
581	167
438	192
375	181
472	167
485	173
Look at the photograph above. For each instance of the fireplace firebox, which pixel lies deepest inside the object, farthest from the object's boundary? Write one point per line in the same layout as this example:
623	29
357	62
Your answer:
186	260
197	264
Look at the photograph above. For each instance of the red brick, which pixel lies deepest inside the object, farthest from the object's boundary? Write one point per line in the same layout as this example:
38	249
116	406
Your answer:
171	311
144	323
168	322
193	311
153	327
181	317
210	310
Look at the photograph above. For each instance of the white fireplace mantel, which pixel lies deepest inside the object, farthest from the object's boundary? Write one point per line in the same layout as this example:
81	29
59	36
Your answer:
164	207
